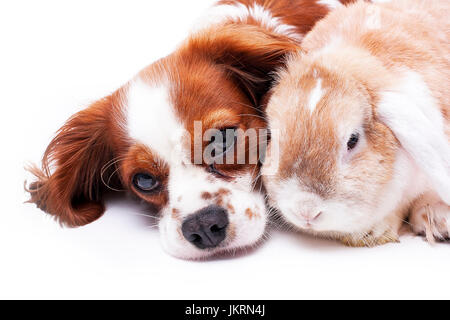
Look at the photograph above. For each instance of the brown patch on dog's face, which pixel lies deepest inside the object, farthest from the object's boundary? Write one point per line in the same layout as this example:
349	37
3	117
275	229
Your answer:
206	196
222	192
218	197
249	213
140	160
230	208
175	213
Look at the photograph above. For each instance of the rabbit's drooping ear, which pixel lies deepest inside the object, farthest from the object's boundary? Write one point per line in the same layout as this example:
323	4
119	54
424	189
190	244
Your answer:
69	186
413	115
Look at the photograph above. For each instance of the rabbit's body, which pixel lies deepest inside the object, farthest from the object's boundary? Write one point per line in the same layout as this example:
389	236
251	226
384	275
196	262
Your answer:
364	114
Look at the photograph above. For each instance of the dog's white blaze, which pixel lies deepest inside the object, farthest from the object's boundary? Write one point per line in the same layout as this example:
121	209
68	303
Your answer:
412	113
332	4
151	119
186	184
315	96
239	12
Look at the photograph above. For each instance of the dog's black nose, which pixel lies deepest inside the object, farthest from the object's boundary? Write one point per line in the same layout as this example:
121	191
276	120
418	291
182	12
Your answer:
206	228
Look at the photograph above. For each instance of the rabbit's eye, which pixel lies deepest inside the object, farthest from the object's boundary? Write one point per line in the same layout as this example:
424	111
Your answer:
353	141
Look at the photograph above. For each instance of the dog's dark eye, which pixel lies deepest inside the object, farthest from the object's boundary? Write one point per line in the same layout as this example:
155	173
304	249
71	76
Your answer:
353	141
145	183
223	142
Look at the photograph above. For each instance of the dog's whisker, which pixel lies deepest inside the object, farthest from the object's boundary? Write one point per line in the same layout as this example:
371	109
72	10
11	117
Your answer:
147	216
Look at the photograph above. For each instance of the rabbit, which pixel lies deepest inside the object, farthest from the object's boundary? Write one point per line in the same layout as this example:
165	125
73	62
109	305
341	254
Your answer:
360	124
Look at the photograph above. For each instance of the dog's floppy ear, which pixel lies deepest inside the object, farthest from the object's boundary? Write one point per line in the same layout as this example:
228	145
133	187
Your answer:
413	115
69	185
248	53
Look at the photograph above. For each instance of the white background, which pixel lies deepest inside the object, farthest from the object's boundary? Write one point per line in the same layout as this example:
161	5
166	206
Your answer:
58	56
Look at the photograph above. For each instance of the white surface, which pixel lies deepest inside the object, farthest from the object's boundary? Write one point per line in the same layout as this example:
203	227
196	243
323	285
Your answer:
56	57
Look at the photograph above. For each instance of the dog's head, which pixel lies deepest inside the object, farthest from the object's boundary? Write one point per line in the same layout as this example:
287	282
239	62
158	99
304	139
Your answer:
184	136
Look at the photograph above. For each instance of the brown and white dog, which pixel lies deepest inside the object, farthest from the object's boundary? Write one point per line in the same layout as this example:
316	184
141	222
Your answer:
364	114
141	138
